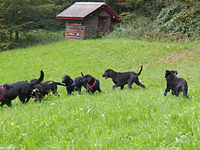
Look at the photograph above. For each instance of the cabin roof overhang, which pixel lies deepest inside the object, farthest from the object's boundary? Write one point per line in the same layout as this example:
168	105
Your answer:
82	10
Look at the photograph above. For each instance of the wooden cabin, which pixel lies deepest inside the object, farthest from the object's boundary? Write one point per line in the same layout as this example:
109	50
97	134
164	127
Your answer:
83	18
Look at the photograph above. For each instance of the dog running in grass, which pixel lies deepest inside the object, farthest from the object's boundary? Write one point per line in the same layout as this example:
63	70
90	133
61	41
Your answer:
92	84
44	88
22	89
177	85
123	78
72	84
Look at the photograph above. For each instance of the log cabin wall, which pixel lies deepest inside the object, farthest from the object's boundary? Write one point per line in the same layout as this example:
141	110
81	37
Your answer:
75	29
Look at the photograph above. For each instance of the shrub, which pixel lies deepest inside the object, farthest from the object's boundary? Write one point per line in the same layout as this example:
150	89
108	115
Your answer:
176	23
34	37
179	19
39	37
94	33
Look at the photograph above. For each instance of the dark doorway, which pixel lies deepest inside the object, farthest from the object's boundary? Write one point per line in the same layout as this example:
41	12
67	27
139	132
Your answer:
102	24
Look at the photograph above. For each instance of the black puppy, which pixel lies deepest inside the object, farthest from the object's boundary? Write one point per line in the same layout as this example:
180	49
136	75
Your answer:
22	89
44	88
177	85
92	84
72	84
120	79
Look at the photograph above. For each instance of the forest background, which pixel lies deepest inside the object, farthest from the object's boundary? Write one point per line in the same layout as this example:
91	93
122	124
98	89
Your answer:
26	23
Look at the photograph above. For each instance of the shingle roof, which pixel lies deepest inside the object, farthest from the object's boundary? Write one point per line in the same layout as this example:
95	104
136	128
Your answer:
81	10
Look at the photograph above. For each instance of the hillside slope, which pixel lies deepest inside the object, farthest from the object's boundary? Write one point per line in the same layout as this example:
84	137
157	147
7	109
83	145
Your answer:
129	119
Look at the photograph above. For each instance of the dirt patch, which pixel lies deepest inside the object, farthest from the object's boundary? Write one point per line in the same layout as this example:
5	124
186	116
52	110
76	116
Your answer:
181	56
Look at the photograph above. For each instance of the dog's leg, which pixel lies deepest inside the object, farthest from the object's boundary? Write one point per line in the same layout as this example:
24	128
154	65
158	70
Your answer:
27	99
114	86
140	84
122	87
2	103
130	85
9	104
166	90
79	90
69	92
22	100
88	91
99	90
178	91
185	92
56	93
173	93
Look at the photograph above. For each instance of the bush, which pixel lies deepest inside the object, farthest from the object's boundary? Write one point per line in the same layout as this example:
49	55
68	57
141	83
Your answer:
32	38
94	33
40	37
179	19
176	23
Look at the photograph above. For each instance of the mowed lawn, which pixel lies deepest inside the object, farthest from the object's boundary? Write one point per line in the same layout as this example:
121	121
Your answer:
134	118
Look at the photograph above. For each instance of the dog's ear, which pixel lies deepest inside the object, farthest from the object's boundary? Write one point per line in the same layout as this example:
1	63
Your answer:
168	73
174	72
7	86
90	79
82	74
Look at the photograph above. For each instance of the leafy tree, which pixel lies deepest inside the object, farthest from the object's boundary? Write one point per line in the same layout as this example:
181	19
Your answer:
23	15
13	16
180	18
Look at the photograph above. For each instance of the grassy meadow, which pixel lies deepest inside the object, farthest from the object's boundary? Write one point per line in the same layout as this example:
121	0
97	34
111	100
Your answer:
117	119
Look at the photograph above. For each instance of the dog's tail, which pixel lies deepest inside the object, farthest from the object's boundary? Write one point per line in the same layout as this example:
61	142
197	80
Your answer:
140	70
58	83
38	81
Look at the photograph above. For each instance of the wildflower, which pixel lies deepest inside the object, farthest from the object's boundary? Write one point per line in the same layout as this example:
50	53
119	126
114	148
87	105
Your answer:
18	126
12	123
95	144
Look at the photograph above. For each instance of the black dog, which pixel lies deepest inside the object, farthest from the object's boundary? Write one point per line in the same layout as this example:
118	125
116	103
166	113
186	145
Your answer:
120	79
92	84
72	84
22	89
177	85
44	88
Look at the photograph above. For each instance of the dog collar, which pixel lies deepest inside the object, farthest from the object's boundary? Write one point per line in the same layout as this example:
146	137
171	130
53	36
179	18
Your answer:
2	92
92	85
167	77
113	74
71	84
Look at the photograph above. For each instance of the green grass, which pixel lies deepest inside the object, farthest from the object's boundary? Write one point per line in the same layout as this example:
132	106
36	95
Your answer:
114	119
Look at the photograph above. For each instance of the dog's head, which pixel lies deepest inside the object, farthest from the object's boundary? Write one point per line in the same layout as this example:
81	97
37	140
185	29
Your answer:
170	73
67	80
109	73
87	78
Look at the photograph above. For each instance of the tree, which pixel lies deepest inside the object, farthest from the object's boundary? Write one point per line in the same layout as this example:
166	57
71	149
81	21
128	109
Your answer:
14	16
